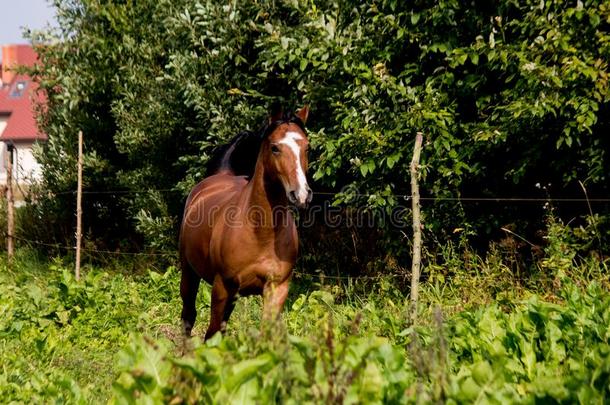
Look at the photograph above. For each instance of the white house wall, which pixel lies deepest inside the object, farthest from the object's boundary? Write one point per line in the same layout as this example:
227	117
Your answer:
3	121
25	168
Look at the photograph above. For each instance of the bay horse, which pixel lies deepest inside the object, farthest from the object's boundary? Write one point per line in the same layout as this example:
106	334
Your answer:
238	231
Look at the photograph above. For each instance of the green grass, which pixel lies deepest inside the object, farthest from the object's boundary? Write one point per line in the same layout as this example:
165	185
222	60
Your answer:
485	335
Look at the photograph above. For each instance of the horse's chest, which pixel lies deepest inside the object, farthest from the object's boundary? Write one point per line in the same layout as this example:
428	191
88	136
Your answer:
247	263
249	276
258	260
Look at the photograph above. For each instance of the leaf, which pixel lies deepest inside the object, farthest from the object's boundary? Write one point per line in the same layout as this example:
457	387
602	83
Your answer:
474	58
364	169
482	372
284	42
392	159
247	369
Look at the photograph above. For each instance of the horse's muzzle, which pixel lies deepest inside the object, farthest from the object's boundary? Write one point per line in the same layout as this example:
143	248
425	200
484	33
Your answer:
297	199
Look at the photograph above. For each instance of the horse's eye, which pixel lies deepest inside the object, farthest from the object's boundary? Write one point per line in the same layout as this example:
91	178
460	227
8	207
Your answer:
275	149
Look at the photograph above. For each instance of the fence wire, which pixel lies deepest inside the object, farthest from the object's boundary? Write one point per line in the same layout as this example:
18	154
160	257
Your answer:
73	248
406	197
296	273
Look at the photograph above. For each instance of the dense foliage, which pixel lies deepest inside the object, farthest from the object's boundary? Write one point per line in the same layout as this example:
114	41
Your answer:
509	94
485	335
532	351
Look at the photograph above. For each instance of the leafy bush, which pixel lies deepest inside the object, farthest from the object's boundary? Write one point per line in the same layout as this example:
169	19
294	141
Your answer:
116	334
509	94
525	353
59	336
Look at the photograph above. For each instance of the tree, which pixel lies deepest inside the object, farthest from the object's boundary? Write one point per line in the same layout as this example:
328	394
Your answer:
509	94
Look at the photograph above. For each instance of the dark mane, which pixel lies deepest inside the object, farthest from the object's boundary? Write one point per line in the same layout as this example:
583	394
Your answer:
239	155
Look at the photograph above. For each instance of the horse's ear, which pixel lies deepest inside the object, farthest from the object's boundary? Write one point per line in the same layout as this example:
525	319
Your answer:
303	113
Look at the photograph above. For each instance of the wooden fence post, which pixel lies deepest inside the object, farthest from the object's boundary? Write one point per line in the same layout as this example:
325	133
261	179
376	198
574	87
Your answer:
79	210
10	209
416	264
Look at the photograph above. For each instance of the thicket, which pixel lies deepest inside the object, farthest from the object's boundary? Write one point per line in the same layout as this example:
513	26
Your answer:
512	96
485	335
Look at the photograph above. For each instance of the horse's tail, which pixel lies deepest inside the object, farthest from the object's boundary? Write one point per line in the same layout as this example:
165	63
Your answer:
237	157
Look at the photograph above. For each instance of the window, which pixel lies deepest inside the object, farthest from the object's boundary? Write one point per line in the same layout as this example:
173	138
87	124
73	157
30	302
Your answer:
18	89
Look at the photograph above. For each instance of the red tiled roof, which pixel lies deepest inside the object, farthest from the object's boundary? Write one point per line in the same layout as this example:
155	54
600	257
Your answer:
18	104
14	56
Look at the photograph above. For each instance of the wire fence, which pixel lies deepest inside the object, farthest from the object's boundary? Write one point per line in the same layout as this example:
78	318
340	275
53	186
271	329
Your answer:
407	197
299	274
90	250
119	192
350	195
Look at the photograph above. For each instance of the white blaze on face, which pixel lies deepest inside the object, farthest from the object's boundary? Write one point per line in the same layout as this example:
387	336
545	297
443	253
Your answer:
290	140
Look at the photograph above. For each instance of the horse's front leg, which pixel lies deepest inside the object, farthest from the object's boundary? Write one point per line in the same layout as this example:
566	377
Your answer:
274	296
222	304
189	285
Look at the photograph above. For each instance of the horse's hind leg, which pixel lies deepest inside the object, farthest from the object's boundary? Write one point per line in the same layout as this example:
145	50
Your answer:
189	285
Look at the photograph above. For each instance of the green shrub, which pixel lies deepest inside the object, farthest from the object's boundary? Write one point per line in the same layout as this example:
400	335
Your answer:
509	94
533	351
483	335
59	337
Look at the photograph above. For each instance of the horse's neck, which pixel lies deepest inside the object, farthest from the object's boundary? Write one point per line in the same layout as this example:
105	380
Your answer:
269	201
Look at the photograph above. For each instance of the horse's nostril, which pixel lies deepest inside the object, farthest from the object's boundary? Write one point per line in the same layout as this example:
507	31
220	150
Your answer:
292	196
309	195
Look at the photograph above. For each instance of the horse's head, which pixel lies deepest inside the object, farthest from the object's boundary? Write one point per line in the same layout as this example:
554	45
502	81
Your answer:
285	151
